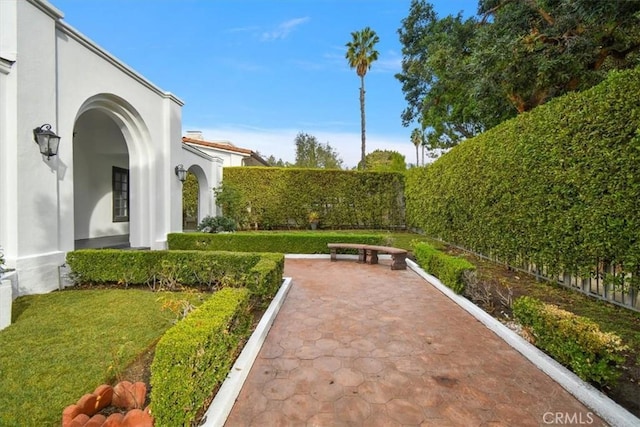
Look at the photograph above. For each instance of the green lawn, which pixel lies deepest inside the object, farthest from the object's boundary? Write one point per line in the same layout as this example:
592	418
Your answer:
62	345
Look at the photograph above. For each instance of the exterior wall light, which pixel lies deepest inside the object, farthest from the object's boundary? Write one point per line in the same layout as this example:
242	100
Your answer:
181	173
46	140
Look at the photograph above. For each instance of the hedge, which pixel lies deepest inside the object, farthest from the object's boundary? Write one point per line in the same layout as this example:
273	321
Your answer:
557	186
260	272
195	355
275	198
447	268
281	242
572	340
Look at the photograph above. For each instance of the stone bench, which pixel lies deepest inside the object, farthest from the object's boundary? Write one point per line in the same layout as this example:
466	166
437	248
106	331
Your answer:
369	253
333	247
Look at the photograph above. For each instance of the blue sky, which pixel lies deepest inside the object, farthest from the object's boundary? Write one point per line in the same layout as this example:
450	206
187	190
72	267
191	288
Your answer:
257	72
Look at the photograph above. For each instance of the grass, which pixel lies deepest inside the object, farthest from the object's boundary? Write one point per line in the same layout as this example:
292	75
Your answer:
62	345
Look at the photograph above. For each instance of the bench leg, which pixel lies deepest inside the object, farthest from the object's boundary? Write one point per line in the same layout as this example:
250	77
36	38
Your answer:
333	254
398	261
372	256
362	256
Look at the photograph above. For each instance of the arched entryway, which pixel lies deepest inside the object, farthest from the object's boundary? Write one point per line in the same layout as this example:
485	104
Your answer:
195	198
110	176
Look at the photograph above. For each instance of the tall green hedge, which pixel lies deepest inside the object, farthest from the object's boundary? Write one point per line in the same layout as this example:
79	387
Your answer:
558	186
284	197
281	242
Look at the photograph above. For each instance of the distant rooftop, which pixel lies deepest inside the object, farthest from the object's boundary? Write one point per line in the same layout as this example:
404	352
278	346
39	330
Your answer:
251	157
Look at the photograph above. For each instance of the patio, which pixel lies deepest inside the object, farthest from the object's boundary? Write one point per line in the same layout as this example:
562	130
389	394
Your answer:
358	344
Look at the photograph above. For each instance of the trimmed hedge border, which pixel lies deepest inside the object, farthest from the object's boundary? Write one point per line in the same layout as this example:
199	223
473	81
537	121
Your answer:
195	355
283	197
445	267
261	273
295	243
574	341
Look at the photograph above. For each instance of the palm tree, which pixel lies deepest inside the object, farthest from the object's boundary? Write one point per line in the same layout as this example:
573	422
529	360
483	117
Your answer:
416	139
361	54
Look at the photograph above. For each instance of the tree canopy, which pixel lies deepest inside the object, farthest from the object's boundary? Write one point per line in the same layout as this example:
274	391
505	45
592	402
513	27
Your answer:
462	76
313	154
385	161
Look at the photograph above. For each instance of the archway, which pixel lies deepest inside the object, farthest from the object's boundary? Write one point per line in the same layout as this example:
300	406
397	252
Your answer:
195	198
110	175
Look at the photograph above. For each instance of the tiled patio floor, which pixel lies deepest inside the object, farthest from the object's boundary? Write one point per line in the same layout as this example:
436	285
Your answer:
361	345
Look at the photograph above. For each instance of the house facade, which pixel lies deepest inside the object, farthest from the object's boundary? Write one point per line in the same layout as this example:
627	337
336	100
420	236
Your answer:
113	181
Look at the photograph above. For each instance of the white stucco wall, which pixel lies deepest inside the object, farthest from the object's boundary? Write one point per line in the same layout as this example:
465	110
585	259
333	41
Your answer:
57	76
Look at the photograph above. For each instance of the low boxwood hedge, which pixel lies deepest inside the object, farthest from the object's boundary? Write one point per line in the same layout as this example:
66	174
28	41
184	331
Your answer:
260	272
291	243
574	341
447	268
195	355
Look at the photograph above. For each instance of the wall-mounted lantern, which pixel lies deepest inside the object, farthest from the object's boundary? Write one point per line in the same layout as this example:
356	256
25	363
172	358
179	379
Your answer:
181	173
46	140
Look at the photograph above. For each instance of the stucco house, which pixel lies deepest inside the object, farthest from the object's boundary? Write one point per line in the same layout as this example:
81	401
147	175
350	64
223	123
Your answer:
114	179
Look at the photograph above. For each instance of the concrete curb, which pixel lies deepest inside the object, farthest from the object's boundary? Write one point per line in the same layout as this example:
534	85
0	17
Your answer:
222	404
603	406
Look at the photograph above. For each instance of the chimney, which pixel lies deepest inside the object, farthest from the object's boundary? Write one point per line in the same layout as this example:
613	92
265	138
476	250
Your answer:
195	134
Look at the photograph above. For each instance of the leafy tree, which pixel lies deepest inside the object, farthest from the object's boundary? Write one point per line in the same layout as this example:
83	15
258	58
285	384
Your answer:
463	76
555	47
361	54
385	161
276	162
438	80
312	154
233	204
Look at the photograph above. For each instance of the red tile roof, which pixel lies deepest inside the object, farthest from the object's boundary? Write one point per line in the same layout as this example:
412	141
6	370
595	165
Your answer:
218	145
227	147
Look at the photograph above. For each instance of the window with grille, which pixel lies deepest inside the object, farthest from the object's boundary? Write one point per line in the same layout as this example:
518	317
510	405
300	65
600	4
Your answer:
120	187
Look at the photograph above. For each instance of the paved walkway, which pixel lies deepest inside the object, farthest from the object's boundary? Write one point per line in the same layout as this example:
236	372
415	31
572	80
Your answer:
361	345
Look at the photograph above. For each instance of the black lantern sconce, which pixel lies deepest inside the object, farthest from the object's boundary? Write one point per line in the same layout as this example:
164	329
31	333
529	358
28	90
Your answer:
181	173
46	140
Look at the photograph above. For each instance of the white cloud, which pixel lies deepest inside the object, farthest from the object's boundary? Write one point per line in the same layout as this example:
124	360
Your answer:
280	142
284	29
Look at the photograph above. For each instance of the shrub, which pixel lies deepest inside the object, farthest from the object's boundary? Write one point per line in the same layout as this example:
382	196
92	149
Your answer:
217	224
261	273
554	187
272	198
574	341
280	242
450	270
195	355
232	202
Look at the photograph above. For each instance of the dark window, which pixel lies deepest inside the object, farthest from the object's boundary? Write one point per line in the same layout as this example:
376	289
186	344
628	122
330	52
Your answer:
120	186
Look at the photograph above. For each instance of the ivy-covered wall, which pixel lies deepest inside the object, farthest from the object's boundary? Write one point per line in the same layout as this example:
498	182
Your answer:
558	186
284	197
